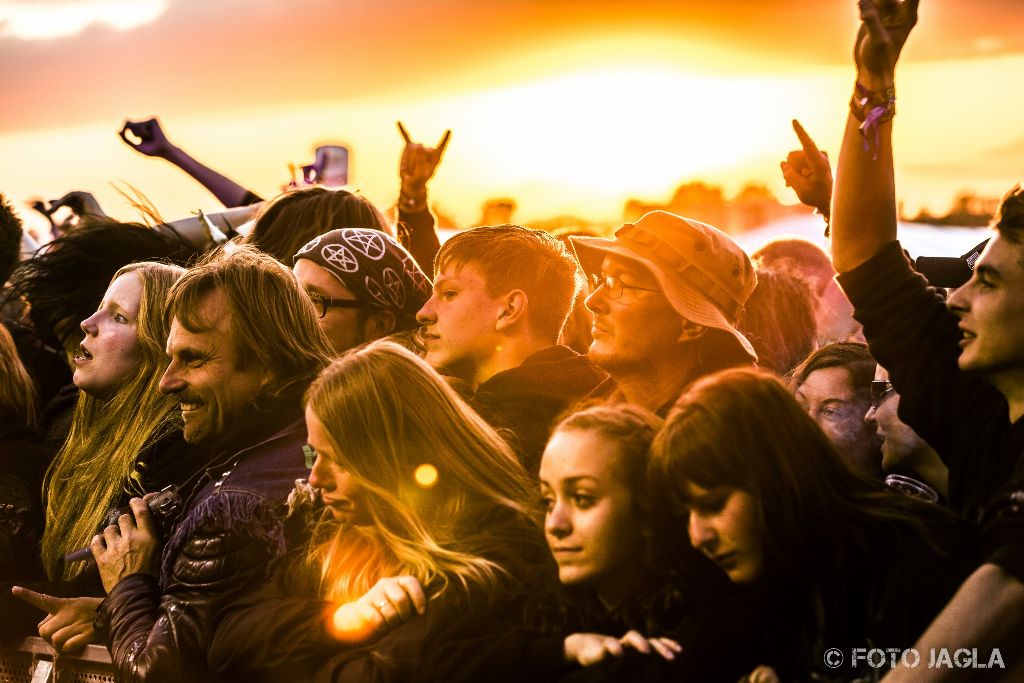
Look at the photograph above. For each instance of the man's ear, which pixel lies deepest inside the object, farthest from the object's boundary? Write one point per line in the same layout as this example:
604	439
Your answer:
691	331
514	310
380	323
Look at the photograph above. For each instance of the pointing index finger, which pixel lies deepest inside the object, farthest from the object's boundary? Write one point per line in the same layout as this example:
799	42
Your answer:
47	603
805	140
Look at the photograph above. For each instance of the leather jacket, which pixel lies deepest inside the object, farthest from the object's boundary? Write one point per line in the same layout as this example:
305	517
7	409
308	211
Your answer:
159	629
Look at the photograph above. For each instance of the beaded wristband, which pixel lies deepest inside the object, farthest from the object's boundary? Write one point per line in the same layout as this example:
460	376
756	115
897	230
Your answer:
872	109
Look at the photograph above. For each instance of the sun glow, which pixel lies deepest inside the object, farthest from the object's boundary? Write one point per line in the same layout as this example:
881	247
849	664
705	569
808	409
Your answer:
587	140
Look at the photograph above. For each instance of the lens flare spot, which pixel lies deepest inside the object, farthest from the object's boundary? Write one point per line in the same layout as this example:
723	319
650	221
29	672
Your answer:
352	623
426	476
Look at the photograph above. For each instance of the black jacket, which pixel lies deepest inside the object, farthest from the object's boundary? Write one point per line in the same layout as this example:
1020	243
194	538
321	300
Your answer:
278	630
524	402
960	414
159	629
23	462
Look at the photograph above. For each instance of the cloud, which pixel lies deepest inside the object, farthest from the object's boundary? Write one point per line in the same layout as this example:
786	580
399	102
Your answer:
34	20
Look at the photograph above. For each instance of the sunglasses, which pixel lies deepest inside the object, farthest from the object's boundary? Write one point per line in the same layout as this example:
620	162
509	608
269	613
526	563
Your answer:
880	388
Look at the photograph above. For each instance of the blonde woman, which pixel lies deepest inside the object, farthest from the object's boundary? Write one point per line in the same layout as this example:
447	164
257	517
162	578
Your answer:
122	425
125	440
412	485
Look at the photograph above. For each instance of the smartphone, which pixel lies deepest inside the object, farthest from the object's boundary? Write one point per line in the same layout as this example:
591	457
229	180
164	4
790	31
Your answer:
330	168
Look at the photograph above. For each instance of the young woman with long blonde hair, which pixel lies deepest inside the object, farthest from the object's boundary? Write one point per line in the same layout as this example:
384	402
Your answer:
122	425
422	512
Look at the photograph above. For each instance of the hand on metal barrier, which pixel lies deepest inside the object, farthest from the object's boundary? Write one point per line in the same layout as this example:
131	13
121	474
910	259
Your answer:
68	625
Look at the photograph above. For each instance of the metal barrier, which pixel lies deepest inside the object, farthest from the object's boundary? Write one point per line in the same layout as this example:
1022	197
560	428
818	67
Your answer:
34	661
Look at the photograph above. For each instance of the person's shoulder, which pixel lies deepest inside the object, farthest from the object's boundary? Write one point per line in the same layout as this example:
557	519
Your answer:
283	448
606	392
559	368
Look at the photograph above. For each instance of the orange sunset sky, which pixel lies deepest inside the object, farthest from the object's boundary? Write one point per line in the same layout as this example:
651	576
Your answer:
569	106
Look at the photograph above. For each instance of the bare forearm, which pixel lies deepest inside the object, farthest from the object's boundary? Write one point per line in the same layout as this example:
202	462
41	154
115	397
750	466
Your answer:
986	613
226	190
864	203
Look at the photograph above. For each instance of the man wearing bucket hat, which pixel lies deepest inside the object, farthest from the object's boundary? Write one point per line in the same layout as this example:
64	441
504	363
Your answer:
665	293
363	284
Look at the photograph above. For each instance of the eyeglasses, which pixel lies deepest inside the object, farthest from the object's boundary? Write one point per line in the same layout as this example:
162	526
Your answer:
613	286
880	388
322	303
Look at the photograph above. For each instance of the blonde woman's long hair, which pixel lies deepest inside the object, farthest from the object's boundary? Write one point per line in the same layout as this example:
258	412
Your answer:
386	414
98	460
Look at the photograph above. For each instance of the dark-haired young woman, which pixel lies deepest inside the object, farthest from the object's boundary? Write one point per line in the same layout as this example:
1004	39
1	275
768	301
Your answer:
616	615
838	560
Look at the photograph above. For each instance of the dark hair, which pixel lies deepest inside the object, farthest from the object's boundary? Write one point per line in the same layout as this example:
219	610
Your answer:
287	222
513	257
778	319
1009	219
65	282
819	519
273	322
854	357
796	256
10	239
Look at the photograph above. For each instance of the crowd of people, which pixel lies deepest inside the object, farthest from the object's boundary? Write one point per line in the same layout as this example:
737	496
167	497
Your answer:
302	441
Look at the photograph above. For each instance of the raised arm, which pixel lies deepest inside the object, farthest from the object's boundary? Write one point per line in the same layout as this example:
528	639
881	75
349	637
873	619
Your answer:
84	207
153	143
864	203
416	223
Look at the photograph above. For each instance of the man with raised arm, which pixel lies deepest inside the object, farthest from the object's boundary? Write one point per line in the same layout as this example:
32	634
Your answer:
959	367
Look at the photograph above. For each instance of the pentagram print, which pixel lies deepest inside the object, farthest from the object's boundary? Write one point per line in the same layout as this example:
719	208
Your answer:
415	274
339	256
366	243
311	245
376	291
395	287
